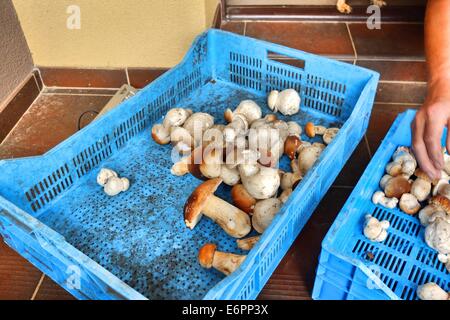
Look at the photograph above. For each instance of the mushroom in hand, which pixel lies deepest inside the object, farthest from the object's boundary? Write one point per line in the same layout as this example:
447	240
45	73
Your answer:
202	201
375	230
227	263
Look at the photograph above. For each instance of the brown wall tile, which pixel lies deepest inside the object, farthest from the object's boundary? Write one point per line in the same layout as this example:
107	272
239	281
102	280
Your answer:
329	39
392	40
235	27
401	92
17	107
397	70
140	77
92	78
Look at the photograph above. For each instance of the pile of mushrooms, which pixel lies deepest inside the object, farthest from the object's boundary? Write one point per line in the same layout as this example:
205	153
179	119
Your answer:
243	154
409	187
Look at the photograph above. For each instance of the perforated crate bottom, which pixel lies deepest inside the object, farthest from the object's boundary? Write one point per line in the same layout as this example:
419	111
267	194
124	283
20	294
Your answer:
140	235
403	261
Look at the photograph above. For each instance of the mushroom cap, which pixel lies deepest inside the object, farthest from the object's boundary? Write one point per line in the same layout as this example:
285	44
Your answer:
230	176
228	115
291	145
441	202
288	102
294	129
443	188
250	110
200	121
197	200
264	212
104	175
384	180
426	213
307	157
264	184
242	199
396	187
409	204
176	117
419	173
206	255
437	233
329	135
309	130
160	134
178	134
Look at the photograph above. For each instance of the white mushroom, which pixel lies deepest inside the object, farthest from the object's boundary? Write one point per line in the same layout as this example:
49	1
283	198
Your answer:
181	167
329	135
247	243
104	175
445	259
426	213
374	229
116	185
431	291
288	180
403	163
176	117
181	139
229	176
248	163
443	188
237	127
286	101
197	124
409	204
262	185
264	212
384	180
294	129
248	108
160	134
437	233
380	198
307	157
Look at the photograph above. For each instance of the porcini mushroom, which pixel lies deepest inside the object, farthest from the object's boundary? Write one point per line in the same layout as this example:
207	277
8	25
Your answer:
238	127
202	201
230	176
247	243
426	213
312	130
443	188
329	135
263	184
437	233
409	204
227	263
403	163
104	174
160	134
421	187
176	117
197	124
242	199
380	198
375	230
181	139
396	187
116	185
384	180
284	196
264	212
291	145
294	129
432	291
288	180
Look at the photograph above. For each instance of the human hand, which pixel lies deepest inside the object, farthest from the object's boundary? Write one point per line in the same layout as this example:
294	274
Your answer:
428	126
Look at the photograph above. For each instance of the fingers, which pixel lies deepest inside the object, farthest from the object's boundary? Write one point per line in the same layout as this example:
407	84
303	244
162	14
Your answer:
432	137
419	147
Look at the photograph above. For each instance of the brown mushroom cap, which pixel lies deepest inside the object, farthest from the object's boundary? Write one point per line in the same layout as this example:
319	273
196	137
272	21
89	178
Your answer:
242	199
441	202
419	173
206	255
197	200
291	145
309	130
396	187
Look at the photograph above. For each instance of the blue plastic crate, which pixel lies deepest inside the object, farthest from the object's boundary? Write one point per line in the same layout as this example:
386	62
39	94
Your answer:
135	245
400	263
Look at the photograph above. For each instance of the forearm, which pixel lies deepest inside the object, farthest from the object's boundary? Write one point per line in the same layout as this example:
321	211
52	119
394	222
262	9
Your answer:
437	43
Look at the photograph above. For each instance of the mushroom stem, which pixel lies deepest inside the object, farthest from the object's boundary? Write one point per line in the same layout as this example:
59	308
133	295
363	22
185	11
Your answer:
247	243
234	221
227	263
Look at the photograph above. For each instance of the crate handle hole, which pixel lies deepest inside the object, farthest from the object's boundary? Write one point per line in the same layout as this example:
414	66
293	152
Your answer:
284	59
